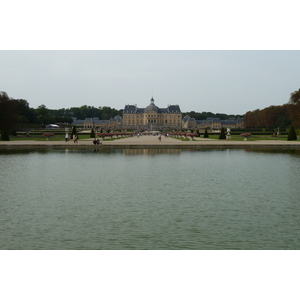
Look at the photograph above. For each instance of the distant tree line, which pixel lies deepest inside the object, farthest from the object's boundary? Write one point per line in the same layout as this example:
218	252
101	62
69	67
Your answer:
276	116
204	115
16	113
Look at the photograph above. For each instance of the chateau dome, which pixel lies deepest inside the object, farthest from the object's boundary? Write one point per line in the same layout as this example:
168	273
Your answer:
151	107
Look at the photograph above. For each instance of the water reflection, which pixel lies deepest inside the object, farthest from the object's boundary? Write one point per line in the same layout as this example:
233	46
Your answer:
152	151
143	151
292	152
149	199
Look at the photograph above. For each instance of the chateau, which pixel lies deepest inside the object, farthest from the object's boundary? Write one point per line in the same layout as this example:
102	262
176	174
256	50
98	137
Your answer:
211	123
112	123
152	117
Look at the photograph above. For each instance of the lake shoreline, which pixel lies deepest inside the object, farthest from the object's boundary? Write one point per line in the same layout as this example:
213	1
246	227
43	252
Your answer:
153	142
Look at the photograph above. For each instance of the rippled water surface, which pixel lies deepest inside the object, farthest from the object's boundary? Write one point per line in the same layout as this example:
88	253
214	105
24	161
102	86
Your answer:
149	199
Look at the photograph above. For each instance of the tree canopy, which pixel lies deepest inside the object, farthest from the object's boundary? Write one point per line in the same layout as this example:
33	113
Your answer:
295	97
16	112
274	116
9	111
204	115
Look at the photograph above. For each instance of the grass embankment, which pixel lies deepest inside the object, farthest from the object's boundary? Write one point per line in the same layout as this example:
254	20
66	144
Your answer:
252	138
58	138
239	138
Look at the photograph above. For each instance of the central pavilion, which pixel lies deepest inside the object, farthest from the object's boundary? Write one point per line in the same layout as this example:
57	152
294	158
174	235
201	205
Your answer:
152	117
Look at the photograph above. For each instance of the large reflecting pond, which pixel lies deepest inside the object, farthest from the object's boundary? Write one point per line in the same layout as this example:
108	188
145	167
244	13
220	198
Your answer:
149	199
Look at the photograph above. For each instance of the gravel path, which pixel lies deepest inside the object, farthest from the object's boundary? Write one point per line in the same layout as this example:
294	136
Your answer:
148	141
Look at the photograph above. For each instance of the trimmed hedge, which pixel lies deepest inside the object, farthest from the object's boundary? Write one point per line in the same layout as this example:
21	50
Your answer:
292	136
4	135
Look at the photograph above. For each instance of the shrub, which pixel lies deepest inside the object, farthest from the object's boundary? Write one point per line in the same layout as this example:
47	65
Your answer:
74	131
222	135
92	133
4	135
206	134
292	136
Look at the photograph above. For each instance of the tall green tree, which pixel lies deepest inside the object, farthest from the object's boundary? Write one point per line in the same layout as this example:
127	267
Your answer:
9	112
43	114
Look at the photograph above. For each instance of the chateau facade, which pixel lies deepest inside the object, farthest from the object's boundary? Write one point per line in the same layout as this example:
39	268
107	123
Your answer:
211	123
89	123
152	117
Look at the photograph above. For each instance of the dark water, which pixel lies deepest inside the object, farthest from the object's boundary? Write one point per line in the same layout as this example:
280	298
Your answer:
149	199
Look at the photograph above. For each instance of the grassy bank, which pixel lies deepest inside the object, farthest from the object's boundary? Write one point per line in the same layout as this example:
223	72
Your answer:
252	138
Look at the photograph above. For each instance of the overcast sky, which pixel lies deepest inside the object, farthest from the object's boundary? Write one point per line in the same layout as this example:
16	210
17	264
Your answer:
231	82
192	75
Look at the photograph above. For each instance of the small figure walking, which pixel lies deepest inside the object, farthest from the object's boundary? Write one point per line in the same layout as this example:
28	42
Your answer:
75	138
67	137
159	137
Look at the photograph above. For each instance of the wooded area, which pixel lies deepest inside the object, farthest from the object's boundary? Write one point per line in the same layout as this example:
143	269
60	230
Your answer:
16	112
276	116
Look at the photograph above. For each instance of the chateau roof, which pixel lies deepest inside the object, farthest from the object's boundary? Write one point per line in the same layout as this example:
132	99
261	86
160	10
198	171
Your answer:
96	121
208	121
77	122
228	122
152	107
130	109
133	109
173	109
185	118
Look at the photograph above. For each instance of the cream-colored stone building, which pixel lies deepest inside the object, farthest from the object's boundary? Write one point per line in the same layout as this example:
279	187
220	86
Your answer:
152	117
211	123
89	123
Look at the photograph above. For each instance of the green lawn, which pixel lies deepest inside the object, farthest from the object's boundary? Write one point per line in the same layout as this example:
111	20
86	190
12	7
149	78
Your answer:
57	138
252	138
239	138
